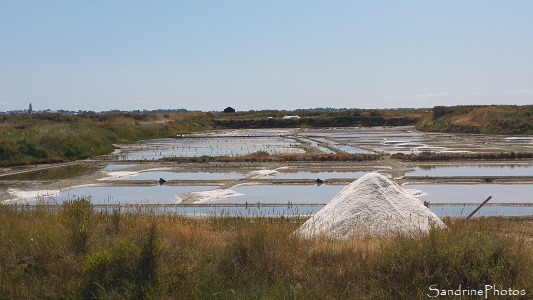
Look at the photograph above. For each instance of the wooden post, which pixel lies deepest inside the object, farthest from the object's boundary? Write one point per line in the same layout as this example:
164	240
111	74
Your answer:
475	210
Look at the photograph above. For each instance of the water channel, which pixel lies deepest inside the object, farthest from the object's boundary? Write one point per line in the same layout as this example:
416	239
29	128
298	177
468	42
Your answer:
474	170
475	193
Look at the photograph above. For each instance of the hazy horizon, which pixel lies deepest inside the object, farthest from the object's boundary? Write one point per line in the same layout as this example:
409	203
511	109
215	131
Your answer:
258	55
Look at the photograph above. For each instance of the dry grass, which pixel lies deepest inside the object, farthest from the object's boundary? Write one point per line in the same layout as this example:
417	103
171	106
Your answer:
502	119
77	253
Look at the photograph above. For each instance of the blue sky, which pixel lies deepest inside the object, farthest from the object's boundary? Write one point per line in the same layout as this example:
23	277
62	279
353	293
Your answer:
206	55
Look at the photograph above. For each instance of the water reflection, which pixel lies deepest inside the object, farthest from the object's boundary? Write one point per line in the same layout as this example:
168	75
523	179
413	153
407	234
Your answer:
124	195
254	211
475	193
212	146
155	175
464	211
117	167
250	211
473	170
54	173
343	147
295	194
280	211
319	174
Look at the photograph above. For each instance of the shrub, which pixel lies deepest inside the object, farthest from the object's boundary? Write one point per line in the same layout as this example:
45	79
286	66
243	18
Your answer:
111	272
468	257
125	270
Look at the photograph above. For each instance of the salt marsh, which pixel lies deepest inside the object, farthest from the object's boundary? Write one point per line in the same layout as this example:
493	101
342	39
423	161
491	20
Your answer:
130	174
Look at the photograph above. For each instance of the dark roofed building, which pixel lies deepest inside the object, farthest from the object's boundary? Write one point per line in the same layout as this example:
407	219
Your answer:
229	109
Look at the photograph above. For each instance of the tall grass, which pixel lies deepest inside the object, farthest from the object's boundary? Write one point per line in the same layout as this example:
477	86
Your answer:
125	269
77	218
146	256
461	256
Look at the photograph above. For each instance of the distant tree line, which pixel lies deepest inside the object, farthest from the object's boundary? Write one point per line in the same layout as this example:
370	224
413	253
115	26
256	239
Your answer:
318	121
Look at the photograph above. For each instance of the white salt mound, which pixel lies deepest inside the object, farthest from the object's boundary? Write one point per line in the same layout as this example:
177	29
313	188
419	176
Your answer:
371	206
22	196
263	174
119	174
208	196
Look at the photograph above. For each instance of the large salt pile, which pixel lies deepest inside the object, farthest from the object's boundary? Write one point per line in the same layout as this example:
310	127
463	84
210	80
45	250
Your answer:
371	206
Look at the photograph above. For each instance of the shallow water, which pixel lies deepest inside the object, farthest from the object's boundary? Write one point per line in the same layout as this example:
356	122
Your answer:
343	147
263	132
485	211
155	175
315	143
352	149
355	134
321	174
406	140
351	140
126	195
54	173
473	170
268	194
250	211
475	193
284	194
213	146
117	167
254	211
369	137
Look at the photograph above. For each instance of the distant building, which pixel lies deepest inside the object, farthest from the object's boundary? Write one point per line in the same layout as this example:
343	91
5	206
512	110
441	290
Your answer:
291	117
229	109
30	109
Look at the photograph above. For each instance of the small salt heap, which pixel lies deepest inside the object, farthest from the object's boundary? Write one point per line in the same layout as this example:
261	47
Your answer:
373	205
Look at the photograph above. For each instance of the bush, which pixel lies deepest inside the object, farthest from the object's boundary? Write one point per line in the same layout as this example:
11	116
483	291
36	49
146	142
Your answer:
447	259
125	270
111	272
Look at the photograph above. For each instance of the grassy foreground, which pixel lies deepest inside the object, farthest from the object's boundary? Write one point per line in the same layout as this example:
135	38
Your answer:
76	253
